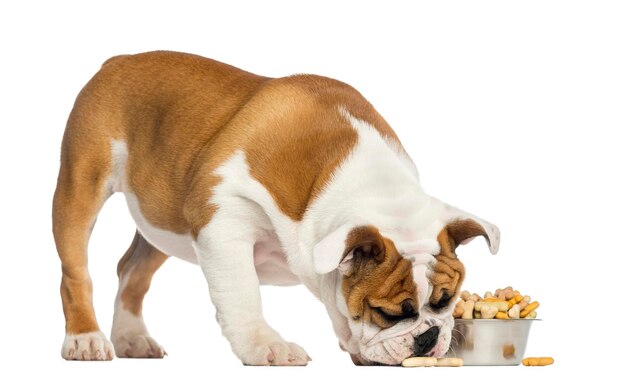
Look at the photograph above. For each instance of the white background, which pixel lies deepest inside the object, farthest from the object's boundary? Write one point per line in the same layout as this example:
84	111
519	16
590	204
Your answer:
514	111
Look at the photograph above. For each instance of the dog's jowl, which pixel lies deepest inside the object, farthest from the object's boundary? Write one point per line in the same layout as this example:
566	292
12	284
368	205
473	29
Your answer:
295	180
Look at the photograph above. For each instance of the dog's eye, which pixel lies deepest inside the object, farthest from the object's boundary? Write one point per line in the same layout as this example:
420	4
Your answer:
443	301
408	311
388	317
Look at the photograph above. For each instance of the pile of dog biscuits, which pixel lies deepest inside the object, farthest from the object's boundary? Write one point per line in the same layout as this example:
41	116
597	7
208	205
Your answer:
503	304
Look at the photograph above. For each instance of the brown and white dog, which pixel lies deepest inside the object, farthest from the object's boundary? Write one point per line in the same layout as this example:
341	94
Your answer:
259	181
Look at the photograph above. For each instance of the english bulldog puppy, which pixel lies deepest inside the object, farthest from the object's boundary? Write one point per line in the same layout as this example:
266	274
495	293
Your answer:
295	180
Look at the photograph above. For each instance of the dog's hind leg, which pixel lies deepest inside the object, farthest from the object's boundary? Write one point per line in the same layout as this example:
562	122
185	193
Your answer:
84	184
129	333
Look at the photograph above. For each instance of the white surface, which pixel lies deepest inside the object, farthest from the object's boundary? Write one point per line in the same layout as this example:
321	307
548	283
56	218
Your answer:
512	111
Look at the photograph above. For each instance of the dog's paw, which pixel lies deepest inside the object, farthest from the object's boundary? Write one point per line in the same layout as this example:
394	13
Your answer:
138	346
87	346
277	353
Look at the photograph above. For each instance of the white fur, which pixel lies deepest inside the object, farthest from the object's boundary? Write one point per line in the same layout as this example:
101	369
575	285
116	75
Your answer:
88	346
130	337
271	264
126	324
325	254
129	333
170	243
225	249
119	156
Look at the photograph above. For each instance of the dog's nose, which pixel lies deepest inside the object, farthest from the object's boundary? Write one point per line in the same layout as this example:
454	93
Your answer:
426	341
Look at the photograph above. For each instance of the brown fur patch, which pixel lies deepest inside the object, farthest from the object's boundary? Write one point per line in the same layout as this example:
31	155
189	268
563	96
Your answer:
138	265
448	272
379	287
79	195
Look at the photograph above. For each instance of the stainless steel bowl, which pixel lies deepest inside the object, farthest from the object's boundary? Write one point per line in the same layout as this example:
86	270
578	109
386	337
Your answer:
490	341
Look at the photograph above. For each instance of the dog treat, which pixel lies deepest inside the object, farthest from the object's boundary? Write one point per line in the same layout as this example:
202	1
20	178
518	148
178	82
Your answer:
508	294
532	315
515	300
469	308
508	351
449	362
508	302
524	302
531	307
505	294
501	306
459	309
533	362
489	311
514	312
419	362
491	299
502	315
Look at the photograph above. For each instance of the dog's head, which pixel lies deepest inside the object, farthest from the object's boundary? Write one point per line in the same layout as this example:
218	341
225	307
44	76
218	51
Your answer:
394	299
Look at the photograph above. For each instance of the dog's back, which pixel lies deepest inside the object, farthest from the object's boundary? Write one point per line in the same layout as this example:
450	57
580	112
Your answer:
171	109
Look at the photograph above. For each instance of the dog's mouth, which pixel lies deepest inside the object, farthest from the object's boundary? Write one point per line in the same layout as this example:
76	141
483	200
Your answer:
433	342
387	352
356	359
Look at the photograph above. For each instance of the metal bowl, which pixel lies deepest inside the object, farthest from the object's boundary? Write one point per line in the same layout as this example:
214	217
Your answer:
490	341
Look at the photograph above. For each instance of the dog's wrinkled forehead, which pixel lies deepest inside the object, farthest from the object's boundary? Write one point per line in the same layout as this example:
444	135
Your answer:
438	267
378	283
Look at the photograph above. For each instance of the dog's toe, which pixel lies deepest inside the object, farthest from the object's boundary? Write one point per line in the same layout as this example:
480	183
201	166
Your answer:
277	353
299	356
87	346
138	346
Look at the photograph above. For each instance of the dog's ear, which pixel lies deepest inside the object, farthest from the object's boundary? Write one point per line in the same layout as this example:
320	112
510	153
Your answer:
347	247
462	227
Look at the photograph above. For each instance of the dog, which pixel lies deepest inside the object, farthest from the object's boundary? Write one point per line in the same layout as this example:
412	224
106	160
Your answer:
295	180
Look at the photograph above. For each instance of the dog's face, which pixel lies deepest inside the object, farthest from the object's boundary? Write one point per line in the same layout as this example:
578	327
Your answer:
398	303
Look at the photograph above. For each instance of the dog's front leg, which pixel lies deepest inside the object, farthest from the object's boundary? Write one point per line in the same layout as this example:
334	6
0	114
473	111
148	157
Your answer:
226	257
